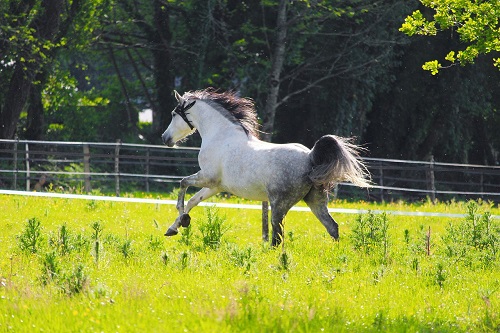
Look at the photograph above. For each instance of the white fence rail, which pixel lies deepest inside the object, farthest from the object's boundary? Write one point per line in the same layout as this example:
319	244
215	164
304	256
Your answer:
117	167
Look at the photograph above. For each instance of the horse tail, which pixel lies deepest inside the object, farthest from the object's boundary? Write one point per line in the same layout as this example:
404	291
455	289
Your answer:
335	159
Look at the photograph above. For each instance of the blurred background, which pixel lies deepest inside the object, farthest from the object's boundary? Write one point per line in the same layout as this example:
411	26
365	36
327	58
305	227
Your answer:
102	70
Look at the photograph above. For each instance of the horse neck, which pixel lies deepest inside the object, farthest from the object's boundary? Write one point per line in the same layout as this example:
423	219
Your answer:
211	123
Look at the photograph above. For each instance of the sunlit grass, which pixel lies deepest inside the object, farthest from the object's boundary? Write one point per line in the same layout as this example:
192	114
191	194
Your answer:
163	285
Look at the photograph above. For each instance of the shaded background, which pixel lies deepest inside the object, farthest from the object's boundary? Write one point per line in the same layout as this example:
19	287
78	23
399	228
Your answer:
83	70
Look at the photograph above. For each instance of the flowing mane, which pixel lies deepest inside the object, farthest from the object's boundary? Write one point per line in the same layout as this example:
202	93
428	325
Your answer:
240	110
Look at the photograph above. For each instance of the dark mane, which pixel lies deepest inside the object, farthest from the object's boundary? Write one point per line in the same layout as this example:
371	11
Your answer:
241	110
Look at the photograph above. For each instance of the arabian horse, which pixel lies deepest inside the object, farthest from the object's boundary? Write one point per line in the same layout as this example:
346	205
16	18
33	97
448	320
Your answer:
232	159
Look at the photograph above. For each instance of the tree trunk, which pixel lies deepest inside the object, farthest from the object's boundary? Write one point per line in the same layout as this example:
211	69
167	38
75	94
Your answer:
164	80
434	133
27	67
15	100
278	58
35	127
128	105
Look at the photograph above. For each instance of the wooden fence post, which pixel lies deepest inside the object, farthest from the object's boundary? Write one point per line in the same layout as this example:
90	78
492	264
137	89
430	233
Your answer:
28	184
16	169
147	170
381	173
431	185
117	167
265	221
86	167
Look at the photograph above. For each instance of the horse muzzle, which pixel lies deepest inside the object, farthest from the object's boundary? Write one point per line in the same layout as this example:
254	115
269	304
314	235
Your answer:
167	140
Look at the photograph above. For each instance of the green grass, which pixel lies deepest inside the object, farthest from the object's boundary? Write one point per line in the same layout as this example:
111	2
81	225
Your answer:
104	266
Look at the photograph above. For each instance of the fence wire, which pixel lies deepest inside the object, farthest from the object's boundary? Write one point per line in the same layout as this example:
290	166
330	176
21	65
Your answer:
122	167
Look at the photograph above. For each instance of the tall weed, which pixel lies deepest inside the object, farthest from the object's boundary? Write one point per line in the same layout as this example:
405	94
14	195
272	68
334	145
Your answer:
213	228
370	234
50	268
76	282
30	240
476	238
96	238
63	242
186	236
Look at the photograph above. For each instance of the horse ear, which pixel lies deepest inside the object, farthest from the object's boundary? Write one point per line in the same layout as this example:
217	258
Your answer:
177	96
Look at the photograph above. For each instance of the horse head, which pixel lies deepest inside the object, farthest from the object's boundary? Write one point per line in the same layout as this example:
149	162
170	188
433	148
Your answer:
180	126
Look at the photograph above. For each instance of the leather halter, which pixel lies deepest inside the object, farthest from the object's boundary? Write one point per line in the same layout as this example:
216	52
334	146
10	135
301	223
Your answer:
181	109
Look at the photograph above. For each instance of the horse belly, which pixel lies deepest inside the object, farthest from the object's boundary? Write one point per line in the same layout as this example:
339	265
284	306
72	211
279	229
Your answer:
253	176
252	189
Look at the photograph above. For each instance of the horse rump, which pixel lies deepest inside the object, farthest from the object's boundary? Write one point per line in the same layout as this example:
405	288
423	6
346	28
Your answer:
336	159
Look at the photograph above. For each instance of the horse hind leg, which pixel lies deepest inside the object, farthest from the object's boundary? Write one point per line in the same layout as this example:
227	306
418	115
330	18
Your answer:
277	217
317	200
279	208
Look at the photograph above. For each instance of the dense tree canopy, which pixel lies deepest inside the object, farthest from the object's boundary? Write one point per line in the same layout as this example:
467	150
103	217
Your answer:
84	69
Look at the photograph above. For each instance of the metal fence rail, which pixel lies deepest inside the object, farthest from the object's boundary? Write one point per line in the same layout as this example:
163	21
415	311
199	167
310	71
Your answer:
116	167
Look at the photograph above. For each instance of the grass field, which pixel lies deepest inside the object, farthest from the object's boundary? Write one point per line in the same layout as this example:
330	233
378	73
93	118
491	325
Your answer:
94	266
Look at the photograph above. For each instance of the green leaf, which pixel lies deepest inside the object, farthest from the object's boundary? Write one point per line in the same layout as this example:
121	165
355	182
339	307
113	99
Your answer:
432	66
451	56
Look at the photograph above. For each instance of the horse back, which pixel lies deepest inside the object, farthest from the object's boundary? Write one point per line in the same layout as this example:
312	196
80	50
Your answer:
256	169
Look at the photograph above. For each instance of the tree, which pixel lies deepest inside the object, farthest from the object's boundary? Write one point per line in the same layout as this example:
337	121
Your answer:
476	23
31	35
277	61
449	116
142	31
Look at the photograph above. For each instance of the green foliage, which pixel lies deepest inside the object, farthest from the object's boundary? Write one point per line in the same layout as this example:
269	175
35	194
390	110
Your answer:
186	235
50	268
126	248
76	282
440	275
63	242
284	260
33	35
96	238
213	228
474	240
370	234
242	257
30	240
184	260
155	243
475	22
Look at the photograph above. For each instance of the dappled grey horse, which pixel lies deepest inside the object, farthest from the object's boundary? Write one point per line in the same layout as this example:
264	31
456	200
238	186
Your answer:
232	159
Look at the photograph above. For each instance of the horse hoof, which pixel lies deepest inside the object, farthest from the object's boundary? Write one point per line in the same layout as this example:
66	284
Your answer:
185	220
171	232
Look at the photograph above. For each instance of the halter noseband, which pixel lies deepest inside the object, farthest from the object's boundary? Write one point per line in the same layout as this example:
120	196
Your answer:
181	109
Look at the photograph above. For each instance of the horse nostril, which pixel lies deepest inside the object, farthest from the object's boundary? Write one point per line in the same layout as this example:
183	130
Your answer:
167	141
164	138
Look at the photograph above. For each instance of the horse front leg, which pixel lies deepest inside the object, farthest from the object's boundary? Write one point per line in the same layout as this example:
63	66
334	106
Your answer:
203	194
184	219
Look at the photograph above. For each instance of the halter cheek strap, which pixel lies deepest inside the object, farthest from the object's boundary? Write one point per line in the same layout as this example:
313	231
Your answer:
181	109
